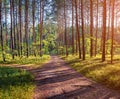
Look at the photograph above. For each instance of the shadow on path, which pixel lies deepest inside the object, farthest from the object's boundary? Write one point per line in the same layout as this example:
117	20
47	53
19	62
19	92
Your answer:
56	80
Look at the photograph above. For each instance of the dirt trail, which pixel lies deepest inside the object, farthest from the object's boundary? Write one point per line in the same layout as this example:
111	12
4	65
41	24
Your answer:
56	80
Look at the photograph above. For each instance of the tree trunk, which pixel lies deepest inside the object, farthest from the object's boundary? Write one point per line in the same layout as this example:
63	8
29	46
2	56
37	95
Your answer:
73	27
20	26
83	37
41	24
91	28
14	37
6	29
26	26
96	38
1	33
66	41
77	27
112	31
33	16
17	32
11	27
104	31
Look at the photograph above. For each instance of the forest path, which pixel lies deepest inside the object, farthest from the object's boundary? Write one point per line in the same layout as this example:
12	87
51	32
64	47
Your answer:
56	80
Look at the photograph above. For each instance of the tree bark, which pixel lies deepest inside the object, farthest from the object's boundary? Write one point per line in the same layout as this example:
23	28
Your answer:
96	36
11	27
104	31
26	27
77	27
41	24
83	37
91	28
73	27
1	33
33	17
112	31
66	41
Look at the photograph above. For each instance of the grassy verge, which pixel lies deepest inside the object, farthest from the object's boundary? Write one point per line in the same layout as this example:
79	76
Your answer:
103	72
24	60
16	83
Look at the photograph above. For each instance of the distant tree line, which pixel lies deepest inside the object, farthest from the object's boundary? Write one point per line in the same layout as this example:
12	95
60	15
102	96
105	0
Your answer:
36	27
23	28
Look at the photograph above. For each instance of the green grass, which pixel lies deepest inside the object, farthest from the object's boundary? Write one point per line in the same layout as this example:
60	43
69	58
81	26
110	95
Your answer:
25	61
15	84
103	72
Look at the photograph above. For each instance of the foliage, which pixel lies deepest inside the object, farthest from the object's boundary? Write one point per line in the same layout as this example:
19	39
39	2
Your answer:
49	38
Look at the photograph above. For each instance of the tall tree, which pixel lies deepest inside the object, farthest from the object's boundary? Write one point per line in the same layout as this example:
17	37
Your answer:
83	37
6	28
11	28
77	27
104	31
66	41
33	17
96	35
41	24
20	25
73	27
17	30
26	27
91	28
112	30
14	33
1	32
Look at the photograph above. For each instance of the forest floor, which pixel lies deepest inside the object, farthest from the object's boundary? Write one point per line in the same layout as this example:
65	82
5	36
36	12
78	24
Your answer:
57	80
15	81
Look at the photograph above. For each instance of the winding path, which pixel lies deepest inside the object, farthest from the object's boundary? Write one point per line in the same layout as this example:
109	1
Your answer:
56	80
